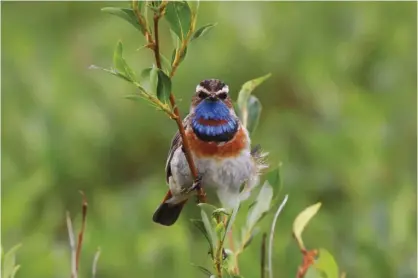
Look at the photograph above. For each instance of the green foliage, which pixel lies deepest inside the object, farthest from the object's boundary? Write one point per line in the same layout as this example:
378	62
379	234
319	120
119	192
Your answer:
9	267
126	14
339	111
202	31
179	15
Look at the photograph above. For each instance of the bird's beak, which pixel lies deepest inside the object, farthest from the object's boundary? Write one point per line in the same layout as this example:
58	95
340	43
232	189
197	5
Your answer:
212	98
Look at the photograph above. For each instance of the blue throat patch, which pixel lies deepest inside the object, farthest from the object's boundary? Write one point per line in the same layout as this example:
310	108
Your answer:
217	111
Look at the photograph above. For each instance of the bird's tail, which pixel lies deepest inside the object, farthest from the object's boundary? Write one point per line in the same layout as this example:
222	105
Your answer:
168	213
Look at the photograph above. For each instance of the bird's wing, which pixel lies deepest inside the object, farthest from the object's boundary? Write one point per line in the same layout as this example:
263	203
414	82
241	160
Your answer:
175	144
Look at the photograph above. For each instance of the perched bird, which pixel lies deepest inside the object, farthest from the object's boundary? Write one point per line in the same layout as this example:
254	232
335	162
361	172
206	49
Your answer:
221	149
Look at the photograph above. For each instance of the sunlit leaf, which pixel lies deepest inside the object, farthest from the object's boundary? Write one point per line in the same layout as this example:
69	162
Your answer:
261	206
202	31
9	262
326	264
163	86
178	15
302	220
126	14
254	111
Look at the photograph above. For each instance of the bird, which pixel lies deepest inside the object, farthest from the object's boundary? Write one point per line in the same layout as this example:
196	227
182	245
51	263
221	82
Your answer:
221	149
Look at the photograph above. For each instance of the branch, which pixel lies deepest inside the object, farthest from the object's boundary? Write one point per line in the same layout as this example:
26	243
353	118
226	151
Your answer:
201	194
279	210
83	227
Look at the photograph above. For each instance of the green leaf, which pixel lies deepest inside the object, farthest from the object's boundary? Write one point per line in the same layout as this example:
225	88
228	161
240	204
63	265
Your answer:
202	31
302	220
126	14
312	273
163	86
254	232
326	264
153	79
273	177
203	269
201	226
120	64
244	95
9	262
178	15
111	71
205	211
261	207
254	112
145	74
166	65
231	219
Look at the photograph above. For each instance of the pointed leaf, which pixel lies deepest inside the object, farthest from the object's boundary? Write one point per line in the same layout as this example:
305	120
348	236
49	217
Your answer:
243	98
206	212
254	232
326	264
254	112
126	14
201	226
145	74
9	262
261	206
163	86
302	220
273	177
202	31
178	15
247	88
120	64
231	219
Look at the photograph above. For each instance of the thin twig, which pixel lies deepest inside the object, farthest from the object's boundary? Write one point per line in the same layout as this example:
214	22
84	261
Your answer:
95	260
83	227
270	258
72	246
157	43
263	256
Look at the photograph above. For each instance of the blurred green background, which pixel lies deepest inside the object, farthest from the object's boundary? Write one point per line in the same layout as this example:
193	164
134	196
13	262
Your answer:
339	112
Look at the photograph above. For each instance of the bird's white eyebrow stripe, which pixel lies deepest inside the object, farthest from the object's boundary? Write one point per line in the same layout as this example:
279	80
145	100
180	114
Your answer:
225	89
201	88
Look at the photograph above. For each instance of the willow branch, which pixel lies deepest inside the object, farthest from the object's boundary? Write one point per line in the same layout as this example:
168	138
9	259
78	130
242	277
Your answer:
143	22
201	194
83	228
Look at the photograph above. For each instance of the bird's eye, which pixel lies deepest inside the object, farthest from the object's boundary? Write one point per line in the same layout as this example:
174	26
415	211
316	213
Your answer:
222	96
202	94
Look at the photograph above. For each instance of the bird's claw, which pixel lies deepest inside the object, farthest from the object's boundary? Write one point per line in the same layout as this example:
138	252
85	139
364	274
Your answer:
197	183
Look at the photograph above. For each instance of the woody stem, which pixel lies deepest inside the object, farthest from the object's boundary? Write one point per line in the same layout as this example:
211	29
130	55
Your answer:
186	147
